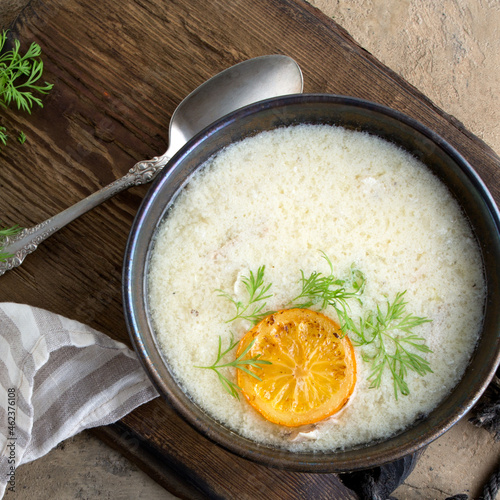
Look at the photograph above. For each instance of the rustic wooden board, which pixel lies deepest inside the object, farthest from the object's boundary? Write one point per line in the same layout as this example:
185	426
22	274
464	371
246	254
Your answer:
120	68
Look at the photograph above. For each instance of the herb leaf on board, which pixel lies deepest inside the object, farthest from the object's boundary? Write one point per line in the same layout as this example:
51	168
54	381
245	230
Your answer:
19	75
4	233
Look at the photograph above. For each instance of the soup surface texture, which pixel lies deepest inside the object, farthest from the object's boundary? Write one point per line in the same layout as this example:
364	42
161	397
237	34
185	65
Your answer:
280	199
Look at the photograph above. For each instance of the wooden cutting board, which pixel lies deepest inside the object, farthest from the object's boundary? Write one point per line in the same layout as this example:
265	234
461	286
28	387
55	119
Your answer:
120	67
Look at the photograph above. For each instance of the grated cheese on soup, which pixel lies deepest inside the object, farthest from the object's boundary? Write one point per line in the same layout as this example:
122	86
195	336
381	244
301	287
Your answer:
280	198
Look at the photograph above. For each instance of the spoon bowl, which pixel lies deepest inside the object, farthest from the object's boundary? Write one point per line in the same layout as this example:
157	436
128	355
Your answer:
245	83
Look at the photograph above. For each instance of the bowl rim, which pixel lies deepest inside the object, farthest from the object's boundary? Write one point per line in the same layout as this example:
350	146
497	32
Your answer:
145	344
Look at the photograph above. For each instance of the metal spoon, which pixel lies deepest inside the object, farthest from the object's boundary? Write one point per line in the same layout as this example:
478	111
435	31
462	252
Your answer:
247	82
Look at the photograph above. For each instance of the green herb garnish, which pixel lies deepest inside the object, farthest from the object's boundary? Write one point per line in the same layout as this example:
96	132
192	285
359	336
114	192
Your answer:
324	290
21	137
3	135
252	309
4	233
239	363
19	75
390	333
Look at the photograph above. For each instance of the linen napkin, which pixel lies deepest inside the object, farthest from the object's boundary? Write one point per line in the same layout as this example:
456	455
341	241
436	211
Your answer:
57	378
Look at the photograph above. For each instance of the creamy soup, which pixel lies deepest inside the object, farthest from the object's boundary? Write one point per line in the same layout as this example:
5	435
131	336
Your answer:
282	198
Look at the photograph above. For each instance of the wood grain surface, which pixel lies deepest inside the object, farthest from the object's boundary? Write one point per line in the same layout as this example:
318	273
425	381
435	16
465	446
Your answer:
119	69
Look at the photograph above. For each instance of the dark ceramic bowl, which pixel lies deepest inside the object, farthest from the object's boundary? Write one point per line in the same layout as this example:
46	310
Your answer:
350	113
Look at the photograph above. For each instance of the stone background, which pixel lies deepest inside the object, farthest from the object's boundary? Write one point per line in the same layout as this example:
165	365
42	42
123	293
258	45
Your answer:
449	50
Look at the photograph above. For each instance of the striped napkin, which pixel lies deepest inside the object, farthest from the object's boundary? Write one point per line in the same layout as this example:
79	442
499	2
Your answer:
58	377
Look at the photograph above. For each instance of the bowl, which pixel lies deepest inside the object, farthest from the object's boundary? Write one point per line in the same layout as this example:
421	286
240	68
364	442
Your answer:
351	113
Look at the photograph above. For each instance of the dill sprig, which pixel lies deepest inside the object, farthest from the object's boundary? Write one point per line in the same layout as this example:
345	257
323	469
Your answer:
4	233
319	290
229	386
253	309
19	77
390	333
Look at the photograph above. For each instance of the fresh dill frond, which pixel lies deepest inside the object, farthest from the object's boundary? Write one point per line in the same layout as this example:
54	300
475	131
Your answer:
320	290
19	78
390	332
229	386
4	233
19	75
253	309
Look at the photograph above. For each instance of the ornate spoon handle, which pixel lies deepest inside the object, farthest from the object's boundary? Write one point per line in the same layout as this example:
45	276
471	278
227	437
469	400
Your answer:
27	241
